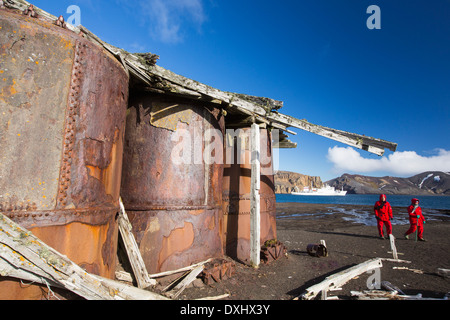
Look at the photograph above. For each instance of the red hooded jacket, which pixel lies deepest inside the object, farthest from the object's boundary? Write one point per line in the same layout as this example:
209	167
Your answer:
417	212
383	209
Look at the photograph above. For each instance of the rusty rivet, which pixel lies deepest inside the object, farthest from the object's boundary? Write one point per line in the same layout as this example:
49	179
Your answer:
30	12
60	22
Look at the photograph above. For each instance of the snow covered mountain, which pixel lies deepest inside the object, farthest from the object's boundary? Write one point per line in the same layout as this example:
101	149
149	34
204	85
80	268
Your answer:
426	183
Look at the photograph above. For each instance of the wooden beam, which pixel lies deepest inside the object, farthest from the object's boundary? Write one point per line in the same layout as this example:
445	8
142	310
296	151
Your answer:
339	279
255	216
373	145
179	288
167	273
24	256
132	249
262	108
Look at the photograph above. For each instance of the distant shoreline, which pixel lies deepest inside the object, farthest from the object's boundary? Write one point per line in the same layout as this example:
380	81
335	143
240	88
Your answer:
313	208
388	194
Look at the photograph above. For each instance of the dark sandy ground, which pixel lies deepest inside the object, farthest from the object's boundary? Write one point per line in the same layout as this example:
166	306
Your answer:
348	244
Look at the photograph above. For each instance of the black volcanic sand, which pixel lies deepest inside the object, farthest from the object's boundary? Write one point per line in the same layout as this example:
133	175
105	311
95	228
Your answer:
348	244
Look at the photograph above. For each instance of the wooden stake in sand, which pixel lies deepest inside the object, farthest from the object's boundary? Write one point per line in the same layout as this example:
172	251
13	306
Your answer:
393	248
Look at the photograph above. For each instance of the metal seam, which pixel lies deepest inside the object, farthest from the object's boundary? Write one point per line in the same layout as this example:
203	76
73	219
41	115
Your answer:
69	131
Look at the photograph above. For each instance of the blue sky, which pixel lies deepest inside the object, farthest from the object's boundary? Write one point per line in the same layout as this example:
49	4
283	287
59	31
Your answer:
318	57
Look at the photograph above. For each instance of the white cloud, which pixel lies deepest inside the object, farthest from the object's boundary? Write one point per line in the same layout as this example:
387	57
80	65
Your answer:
406	163
168	18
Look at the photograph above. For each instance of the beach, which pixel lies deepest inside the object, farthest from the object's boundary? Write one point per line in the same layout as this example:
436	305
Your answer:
349	242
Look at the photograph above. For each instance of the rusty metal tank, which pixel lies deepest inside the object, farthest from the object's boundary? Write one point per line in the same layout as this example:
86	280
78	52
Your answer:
63	102
236	193
171	191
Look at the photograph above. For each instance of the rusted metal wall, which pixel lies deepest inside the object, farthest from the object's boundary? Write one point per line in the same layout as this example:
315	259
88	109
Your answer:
175	208
236	195
63	104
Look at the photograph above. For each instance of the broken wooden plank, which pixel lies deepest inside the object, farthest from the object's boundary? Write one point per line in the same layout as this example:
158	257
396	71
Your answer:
395	260
127	292
409	269
386	285
339	279
168	273
385	295
372	145
263	108
25	252
133	252
179	288
24	256
124	276
393	247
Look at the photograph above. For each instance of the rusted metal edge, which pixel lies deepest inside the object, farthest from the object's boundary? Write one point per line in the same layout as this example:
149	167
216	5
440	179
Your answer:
73	106
170	208
92	216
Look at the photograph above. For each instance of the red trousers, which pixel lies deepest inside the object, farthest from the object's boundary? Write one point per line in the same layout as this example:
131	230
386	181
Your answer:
380	225
413	228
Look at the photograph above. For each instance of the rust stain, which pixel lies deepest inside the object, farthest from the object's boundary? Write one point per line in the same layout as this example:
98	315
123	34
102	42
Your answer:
43	133
236	203
167	115
178	241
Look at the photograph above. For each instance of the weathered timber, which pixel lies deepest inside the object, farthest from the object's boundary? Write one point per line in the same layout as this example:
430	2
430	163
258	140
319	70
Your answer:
24	256
262	109
339	279
179	288
255	205
223	296
393	247
373	145
168	273
391	295
132	249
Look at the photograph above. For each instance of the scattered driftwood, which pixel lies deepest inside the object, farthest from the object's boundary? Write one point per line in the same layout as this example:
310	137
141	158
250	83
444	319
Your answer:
386	285
132	249
389	295
24	256
339	279
168	273
395	260
179	288
406	268
224	296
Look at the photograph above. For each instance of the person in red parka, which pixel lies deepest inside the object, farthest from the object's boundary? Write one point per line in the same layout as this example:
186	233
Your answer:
383	213
416	220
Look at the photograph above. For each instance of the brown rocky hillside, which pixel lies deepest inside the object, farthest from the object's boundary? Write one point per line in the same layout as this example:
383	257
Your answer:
285	181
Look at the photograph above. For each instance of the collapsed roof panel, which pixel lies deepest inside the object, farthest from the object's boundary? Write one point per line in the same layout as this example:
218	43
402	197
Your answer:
252	109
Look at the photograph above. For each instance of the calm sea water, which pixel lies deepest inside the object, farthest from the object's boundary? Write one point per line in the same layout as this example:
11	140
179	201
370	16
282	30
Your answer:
429	202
